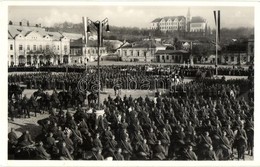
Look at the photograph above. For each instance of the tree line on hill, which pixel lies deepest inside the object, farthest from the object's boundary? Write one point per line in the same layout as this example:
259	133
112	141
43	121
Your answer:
132	34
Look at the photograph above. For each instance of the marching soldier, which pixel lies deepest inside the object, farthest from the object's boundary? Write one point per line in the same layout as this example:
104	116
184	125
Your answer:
127	149
118	156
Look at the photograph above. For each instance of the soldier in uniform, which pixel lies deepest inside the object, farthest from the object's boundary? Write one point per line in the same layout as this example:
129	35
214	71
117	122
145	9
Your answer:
12	137
65	154
50	142
189	154
118	156
97	142
25	106
127	149
41	152
143	151
210	154
158	151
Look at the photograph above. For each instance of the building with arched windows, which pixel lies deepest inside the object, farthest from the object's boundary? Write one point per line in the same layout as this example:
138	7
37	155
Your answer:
33	45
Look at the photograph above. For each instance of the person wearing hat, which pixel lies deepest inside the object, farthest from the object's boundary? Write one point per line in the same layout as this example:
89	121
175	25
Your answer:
226	145
97	142
143	150
25	106
41	152
12	137
50	142
190	155
127	149
97	154
65	154
159	151
118	156
210	154
165	140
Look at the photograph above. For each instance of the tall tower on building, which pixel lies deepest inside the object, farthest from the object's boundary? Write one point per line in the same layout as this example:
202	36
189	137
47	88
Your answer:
188	21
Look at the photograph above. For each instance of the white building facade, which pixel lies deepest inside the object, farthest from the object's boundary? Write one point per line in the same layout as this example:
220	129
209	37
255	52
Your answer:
142	51
29	46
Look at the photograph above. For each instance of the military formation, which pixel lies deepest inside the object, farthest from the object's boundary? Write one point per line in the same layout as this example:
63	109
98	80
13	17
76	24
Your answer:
206	119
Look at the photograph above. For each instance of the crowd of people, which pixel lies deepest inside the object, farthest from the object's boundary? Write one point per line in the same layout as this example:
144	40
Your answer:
209	122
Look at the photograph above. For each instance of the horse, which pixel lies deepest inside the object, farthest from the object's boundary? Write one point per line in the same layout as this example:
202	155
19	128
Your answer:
15	90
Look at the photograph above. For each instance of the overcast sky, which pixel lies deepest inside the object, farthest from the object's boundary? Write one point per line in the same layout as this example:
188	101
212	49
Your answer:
129	16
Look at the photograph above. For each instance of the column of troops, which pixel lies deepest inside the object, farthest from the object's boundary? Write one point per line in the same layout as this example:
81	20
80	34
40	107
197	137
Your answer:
206	124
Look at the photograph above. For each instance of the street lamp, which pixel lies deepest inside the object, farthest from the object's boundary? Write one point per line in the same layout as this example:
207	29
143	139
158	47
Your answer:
98	26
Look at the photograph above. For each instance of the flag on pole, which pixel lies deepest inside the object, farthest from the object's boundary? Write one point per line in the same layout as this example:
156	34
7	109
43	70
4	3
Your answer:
218	25
217	22
85	28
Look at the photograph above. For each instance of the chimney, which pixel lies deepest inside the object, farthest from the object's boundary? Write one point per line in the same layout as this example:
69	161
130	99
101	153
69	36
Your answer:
10	22
36	25
28	24
20	23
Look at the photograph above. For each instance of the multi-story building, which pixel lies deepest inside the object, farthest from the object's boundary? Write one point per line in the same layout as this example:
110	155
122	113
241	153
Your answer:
82	53
180	23
170	23
239	53
33	45
141	51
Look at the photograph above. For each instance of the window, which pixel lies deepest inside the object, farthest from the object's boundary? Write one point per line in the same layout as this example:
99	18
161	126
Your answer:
34	47
131	52
40	47
163	57
88	51
245	59
138	53
12	57
65	48
28	47
20	47
58	47
232	58
167	57
144	53
125	53
47	47
226	58
11	47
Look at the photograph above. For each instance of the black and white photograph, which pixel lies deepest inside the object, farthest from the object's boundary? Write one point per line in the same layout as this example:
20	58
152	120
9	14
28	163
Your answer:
129	82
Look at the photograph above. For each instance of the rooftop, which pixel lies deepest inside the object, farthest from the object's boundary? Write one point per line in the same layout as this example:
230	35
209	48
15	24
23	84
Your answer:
171	51
197	19
144	44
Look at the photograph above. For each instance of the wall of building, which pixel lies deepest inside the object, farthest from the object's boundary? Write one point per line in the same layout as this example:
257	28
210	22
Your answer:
169	58
30	49
137	54
234	58
198	27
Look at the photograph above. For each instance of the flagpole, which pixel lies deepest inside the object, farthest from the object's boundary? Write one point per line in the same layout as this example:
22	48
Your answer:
216	59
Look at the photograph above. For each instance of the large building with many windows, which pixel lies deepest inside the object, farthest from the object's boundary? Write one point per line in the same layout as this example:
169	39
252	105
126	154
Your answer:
170	23
33	45
180	23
